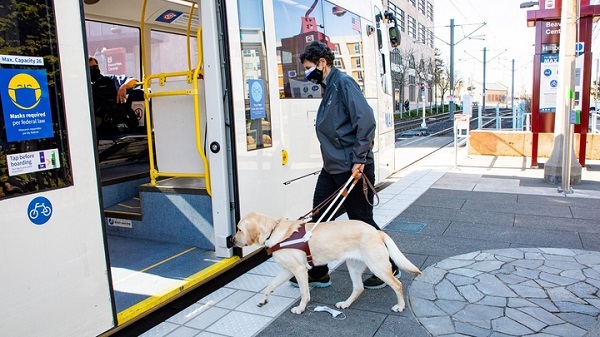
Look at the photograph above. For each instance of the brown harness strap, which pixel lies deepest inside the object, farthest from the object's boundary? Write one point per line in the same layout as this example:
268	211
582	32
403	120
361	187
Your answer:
366	186
302	245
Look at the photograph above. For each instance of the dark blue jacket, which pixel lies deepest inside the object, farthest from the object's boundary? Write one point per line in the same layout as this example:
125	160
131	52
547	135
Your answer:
345	124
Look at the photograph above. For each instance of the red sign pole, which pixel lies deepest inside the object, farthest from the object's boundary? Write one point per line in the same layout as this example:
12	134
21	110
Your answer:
547	37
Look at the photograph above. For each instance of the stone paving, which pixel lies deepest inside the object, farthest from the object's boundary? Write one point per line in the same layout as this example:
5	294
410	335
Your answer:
510	292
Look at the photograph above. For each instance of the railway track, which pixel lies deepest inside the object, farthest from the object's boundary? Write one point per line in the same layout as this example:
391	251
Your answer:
440	125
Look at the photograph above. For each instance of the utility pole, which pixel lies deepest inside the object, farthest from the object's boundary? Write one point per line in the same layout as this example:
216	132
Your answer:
483	84
512	97
451	118
512	90
451	44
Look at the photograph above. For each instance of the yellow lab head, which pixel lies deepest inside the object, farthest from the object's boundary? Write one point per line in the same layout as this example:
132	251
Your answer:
254	228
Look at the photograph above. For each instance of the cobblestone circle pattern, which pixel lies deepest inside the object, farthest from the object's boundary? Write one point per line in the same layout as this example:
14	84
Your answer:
509	292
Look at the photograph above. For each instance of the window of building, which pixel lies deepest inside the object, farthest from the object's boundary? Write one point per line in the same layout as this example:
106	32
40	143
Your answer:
412	27
413	3
430	11
429	38
356	63
421	33
356	48
399	14
422	6
401	20
336	49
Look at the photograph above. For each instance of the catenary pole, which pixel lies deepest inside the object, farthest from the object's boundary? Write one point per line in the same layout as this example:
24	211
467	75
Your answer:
451	70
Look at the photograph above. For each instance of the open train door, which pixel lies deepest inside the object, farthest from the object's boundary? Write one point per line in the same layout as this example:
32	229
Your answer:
55	275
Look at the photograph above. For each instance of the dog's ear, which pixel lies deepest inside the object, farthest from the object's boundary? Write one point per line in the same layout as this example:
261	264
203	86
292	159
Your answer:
251	230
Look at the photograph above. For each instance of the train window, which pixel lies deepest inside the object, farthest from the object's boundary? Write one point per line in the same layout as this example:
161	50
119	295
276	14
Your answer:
116	47
167	54
34	150
340	29
256	83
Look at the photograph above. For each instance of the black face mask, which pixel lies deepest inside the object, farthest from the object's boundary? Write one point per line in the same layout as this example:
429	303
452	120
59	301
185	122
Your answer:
314	75
95	73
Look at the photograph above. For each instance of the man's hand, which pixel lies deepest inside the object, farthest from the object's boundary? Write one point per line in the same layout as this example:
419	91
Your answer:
358	166
122	94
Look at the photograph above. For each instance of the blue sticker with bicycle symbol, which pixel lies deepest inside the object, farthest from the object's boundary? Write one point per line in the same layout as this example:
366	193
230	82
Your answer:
39	210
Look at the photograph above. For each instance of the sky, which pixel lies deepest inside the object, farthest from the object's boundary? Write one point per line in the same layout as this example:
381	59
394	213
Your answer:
505	37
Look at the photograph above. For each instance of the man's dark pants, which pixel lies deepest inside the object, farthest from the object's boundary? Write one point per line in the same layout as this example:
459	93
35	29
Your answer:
356	205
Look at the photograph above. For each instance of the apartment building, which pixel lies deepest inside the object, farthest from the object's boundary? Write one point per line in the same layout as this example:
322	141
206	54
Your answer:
414	61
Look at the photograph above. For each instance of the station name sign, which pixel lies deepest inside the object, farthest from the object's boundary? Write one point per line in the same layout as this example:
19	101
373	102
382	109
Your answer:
552	27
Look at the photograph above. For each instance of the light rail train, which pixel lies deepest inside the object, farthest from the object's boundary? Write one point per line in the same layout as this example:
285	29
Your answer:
99	230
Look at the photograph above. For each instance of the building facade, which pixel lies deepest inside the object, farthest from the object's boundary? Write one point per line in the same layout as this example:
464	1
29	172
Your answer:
414	61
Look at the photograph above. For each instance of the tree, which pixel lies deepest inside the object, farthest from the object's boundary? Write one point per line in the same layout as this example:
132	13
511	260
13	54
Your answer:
438	69
444	83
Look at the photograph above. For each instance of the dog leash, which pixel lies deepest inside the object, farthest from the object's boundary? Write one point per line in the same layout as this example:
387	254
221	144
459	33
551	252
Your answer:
341	192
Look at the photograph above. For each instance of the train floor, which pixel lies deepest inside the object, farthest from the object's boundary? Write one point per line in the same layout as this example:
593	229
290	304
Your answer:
502	254
147	273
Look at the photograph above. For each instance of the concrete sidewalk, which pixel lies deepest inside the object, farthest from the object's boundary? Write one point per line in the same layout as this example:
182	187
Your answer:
502	254
476	234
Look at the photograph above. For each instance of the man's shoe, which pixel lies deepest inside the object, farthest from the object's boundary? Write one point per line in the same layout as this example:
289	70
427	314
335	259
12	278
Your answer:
322	282
374	282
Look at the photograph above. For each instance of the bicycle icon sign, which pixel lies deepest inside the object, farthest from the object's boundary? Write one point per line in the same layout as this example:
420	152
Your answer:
39	210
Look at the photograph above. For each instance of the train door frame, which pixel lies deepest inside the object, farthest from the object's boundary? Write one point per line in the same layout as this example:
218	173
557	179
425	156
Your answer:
62	263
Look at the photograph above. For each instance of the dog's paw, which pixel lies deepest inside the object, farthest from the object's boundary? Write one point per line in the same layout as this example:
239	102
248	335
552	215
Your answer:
261	303
398	308
297	310
342	305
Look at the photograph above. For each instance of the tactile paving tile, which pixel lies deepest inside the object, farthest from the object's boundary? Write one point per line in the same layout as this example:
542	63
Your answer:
188	313
217	296
160	330
250	282
276	305
239	324
268	268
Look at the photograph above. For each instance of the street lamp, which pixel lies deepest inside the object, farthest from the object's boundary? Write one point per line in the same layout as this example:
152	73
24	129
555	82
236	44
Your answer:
529	4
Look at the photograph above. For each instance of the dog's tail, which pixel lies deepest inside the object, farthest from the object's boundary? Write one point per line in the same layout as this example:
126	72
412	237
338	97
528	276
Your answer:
396	255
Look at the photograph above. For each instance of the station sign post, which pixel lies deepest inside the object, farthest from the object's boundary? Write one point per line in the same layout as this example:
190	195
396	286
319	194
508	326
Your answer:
546	20
461	129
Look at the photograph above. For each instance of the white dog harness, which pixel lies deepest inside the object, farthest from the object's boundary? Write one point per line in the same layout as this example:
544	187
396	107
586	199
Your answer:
296	241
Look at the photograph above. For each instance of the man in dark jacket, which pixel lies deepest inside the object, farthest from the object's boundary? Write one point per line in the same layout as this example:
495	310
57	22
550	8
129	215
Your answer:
345	128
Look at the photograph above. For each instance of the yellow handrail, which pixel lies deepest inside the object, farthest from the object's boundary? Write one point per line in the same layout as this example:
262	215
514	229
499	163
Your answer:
192	76
199	70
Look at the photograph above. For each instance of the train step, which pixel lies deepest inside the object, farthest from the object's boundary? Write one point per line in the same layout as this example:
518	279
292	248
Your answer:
177	210
130	209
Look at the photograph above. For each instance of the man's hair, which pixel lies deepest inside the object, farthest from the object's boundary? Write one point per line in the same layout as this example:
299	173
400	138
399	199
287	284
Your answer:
316	50
91	58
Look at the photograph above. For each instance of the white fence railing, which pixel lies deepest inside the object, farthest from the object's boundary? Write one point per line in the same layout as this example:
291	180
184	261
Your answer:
516	121
594	125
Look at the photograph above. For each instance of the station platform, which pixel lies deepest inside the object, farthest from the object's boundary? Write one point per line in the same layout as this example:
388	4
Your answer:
501	253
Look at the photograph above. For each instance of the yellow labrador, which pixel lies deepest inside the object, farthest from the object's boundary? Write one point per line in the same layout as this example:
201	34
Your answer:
356	242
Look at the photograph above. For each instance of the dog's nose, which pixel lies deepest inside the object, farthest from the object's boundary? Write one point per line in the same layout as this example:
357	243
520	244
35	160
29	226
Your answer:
230	242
